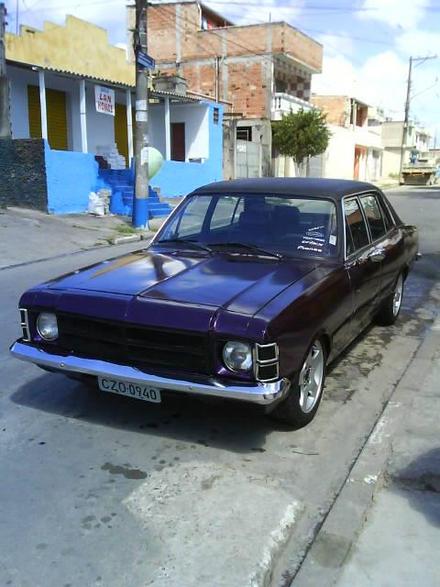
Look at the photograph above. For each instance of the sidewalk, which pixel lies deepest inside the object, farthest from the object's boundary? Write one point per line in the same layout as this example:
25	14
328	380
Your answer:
386	183
384	527
29	235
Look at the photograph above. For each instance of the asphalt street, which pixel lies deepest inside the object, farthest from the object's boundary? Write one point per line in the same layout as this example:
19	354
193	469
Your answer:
106	491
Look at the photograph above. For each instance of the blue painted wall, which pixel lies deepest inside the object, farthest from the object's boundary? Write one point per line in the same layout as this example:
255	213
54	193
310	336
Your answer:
71	176
178	178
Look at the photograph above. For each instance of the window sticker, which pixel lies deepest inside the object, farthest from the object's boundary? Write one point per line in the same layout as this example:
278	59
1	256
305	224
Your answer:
332	240
313	240
316	232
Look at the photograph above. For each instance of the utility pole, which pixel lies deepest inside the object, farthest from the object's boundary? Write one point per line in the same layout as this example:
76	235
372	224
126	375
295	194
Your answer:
412	60
5	119
140	204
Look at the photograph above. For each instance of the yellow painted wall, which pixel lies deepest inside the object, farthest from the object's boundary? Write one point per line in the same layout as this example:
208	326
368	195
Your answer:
78	47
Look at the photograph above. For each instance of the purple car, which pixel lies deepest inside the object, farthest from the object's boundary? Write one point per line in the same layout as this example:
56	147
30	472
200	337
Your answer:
248	291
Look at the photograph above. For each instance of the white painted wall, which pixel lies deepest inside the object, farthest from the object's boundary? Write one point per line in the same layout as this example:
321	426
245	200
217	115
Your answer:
339	157
19	80
391	161
100	127
196	119
157	127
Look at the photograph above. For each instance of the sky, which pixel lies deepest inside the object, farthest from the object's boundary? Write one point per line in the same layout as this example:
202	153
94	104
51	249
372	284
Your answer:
367	43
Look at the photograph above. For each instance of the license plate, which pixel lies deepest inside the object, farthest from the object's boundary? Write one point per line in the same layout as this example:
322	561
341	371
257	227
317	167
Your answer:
129	389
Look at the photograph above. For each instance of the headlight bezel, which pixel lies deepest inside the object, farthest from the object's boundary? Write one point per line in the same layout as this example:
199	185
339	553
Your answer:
247	363
40	329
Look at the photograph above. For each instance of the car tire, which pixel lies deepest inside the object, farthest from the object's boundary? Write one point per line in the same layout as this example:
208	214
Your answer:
302	402
390	310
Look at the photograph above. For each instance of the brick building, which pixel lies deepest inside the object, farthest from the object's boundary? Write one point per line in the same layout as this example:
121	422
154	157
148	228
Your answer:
258	71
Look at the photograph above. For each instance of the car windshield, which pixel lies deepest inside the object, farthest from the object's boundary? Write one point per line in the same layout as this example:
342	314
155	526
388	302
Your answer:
292	226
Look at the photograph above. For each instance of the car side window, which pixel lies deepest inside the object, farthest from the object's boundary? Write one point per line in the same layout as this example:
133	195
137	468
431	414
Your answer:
189	223
374	216
227	212
356	229
389	222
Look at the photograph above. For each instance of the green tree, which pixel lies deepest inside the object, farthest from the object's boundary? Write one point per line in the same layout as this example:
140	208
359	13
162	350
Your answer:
301	135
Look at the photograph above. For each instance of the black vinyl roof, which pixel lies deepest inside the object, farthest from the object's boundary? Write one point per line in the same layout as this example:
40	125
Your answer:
292	186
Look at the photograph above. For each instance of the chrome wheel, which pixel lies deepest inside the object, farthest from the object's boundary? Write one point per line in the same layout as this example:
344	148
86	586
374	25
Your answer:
311	378
397	297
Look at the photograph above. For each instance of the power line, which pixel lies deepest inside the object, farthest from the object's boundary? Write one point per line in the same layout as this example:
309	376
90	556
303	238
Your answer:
310	7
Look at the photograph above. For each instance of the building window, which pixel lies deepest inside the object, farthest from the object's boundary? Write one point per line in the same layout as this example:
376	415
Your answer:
216	115
244	133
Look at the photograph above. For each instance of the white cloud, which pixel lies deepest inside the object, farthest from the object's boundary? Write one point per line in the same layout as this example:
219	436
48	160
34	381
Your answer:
268	10
418	42
110	15
406	14
337	44
338	77
380	81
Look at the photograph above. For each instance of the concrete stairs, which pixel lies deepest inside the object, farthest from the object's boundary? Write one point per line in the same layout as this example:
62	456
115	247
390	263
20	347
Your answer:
121	183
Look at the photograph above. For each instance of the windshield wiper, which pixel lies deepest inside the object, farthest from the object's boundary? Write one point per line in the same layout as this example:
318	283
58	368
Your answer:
253	248
189	243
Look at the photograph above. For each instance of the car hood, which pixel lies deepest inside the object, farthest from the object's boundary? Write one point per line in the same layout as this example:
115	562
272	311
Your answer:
238	283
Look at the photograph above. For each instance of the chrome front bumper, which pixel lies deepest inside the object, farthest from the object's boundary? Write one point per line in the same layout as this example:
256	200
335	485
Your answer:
258	393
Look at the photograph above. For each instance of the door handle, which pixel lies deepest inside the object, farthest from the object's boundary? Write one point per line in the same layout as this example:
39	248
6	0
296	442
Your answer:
377	256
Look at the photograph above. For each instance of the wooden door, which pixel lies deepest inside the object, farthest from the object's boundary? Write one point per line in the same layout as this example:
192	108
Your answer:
178	148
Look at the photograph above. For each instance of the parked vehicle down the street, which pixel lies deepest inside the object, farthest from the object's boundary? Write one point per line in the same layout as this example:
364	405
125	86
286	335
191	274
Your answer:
248	292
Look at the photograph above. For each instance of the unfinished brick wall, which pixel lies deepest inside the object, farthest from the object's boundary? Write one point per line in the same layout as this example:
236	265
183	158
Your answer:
337	108
244	84
240	57
175	29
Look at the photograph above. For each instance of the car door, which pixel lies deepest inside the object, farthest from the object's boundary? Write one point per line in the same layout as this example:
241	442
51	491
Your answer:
393	247
363	264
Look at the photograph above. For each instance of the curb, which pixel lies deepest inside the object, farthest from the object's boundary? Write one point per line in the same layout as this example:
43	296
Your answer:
387	186
122	240
344	522
144	237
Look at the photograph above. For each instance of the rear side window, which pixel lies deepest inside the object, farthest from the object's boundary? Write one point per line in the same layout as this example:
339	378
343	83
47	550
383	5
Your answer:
226	212
374	216
355	228
389	222
195	214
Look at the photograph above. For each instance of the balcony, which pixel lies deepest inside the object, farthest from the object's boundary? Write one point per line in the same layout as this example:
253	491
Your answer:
286	103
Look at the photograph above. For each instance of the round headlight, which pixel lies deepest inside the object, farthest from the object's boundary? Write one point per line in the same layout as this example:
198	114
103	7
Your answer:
47	326
237	356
